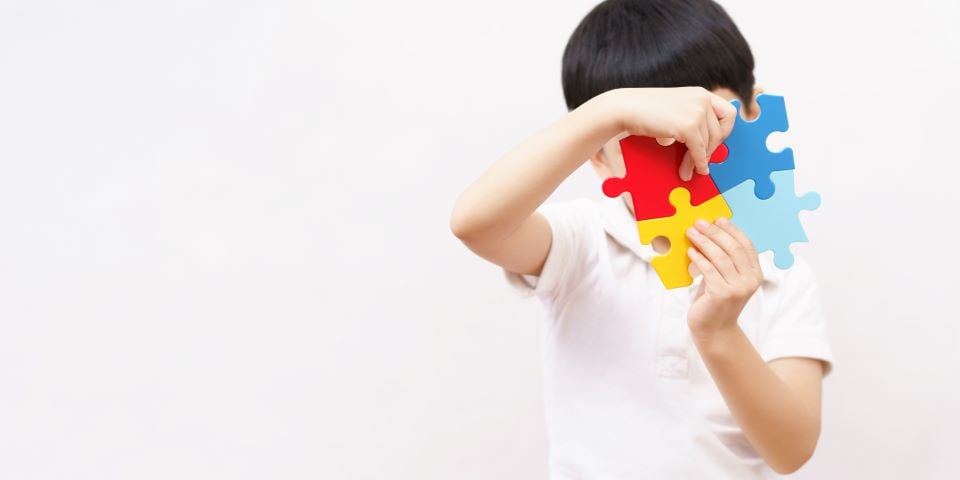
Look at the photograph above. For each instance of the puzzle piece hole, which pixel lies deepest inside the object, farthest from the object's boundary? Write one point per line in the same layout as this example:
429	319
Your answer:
777	141
661	245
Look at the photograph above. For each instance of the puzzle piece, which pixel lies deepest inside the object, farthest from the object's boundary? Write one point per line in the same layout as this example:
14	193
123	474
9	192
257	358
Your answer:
748	157
672	268
653	172
772	224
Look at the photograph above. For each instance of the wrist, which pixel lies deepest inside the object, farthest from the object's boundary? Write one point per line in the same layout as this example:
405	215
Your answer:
717	341
607	109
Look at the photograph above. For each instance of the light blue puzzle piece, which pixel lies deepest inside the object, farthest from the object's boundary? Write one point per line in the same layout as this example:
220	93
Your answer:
774	223
748	157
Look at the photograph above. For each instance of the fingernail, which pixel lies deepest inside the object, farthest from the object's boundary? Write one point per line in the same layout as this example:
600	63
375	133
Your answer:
722	221
692	232
701	223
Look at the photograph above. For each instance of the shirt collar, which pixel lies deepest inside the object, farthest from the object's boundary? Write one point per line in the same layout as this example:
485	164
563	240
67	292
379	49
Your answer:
621	226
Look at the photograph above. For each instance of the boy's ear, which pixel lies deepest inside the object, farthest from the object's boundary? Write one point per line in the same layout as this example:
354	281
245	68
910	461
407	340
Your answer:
600	165
753	109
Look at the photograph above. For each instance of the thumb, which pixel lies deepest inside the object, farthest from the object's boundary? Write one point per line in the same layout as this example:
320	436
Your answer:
726	114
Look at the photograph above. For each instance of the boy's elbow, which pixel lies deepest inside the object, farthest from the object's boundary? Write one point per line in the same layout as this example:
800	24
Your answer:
798	458
463	225
788	467
471	222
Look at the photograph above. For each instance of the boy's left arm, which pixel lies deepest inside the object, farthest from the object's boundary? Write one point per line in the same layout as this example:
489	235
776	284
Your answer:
777	404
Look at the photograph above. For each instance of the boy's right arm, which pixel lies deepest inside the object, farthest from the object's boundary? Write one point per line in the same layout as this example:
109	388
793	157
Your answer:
496	216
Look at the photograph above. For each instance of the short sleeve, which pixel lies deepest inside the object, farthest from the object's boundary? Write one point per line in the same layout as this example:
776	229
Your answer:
572	225
797	327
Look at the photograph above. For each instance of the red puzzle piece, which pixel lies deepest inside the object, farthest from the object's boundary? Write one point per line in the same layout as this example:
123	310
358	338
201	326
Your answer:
653	172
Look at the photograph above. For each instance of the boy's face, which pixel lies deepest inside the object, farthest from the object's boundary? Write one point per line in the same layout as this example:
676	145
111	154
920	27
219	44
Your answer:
608	162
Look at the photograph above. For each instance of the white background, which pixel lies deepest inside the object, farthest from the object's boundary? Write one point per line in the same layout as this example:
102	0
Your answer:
224	249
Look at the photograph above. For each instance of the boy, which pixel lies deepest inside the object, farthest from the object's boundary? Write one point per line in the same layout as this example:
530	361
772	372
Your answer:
718	380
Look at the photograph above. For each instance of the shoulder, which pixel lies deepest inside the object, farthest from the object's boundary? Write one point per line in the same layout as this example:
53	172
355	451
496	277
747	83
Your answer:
577	226
577	229
787	282
796	325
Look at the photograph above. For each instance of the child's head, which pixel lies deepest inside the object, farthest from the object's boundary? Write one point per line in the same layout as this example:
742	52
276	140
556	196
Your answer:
655	43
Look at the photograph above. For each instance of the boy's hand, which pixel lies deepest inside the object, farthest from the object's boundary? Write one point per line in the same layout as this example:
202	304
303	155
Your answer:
731	275
691	115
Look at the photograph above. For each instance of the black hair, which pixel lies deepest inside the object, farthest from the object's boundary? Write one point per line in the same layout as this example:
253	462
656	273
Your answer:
655	43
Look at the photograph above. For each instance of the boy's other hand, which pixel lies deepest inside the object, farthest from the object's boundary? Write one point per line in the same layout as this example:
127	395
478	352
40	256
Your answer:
691	115
731	274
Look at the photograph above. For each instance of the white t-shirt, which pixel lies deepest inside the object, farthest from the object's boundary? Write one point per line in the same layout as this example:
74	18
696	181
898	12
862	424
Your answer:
626	393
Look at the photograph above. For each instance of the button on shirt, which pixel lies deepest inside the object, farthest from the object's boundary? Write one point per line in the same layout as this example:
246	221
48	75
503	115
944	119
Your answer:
626	394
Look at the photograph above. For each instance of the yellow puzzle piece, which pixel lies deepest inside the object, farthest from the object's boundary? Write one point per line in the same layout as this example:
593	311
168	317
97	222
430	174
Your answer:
673	267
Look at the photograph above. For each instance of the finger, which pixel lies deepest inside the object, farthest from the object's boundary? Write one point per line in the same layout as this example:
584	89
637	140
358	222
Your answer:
686	167
730	245
744	240
710	274
704	161
717	256
695	141
726	114
715	138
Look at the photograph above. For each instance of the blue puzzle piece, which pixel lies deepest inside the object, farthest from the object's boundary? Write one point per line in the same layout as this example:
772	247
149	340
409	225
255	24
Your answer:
772	224
749	158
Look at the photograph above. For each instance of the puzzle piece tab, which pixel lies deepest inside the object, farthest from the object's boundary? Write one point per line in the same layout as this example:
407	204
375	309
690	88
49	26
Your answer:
653	172
748	157
772	224
672	268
